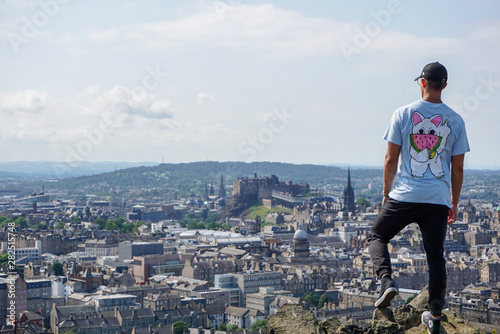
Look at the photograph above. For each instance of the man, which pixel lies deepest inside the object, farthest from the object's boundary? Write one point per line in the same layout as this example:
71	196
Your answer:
430	140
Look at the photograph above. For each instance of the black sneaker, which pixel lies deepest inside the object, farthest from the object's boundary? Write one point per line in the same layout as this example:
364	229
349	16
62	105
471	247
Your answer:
388	291
432	324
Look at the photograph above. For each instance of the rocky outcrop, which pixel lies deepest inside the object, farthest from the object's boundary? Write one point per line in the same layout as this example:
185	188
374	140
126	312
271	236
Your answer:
293	318
297	319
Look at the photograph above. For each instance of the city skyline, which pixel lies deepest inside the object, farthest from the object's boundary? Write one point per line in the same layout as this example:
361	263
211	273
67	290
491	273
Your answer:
236	80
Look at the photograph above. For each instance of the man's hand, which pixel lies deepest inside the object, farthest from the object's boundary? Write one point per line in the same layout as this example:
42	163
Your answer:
452	214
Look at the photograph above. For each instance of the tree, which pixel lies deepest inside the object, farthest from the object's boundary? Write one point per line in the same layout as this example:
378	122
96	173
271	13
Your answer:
212	218
4	258
58	269
234	328
179	327
311	298
101	222
259	220
21	222
195	224
204	214
323	299
213	226
60	225
222	327
363	202
259	324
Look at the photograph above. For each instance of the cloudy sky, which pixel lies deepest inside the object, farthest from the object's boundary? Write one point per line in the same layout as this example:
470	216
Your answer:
237	80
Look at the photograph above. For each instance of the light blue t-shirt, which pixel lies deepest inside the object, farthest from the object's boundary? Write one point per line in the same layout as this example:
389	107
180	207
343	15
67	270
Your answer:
429	135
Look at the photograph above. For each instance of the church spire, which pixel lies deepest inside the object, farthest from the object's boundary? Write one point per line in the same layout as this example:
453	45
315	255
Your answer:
222	189
205	194
349	177
349	204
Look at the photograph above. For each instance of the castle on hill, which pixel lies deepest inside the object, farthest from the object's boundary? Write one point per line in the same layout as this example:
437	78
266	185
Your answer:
262	188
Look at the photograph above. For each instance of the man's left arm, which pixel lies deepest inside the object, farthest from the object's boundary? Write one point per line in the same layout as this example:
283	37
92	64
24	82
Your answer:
457	176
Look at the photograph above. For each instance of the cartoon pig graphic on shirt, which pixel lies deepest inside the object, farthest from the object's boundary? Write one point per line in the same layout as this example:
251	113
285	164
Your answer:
428	139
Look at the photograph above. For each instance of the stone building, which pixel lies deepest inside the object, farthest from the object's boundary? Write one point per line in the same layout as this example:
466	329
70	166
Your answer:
206	270
490	272
102	247
158	302
243	317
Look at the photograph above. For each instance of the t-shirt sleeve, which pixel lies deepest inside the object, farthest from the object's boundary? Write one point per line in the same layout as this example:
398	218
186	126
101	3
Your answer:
461	144
393	131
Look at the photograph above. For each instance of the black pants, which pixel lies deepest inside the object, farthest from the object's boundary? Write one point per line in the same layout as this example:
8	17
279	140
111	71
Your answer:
432	221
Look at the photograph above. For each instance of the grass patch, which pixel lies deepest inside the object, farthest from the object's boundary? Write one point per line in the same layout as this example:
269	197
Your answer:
262	211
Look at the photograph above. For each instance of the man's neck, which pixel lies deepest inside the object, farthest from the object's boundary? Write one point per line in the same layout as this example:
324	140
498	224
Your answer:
432	99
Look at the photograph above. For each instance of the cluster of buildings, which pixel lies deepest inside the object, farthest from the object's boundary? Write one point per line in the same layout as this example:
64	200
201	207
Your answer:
88	281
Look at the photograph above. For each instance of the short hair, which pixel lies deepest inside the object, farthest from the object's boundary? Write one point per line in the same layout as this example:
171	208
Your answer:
436	85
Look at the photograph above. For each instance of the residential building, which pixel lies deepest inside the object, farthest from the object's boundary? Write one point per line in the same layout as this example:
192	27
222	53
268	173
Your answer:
29	254
206	270
228	282
243	317
102	247
159	302
261	300
112	302
490	272
251	282
146	266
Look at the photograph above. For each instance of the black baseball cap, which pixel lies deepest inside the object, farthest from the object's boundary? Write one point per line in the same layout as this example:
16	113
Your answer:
434	72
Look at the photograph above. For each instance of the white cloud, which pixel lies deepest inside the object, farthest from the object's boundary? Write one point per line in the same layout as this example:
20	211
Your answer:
103	36
206	98
274	33
277	32
123	110
122	100
30	101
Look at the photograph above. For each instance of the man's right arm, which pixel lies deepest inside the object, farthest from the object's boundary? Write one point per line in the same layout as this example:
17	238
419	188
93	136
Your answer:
457	176
390	167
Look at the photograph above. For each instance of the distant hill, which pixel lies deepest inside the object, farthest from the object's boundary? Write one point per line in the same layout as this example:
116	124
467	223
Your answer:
187	178
56	170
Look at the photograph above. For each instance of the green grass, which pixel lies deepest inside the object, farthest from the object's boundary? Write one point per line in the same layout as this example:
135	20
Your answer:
262	211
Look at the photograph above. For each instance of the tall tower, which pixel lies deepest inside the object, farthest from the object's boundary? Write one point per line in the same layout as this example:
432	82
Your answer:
205	194
222	189
349	204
